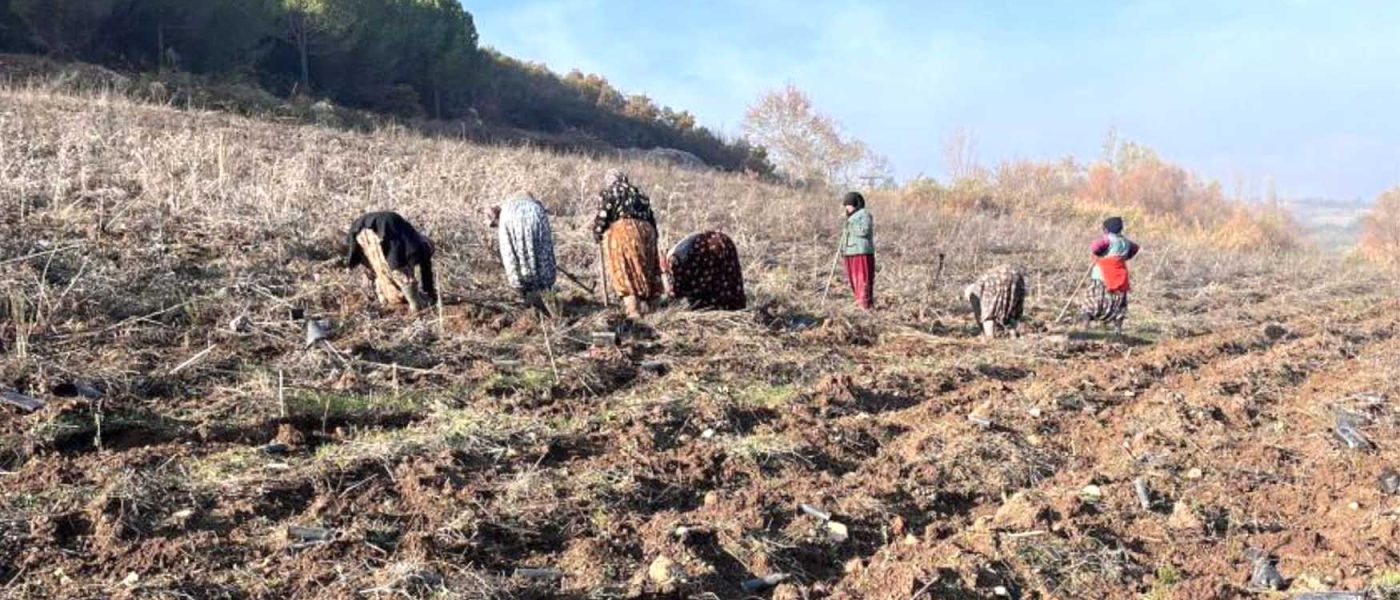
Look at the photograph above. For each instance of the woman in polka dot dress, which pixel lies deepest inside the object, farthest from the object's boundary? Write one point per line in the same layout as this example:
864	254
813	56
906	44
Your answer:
704	270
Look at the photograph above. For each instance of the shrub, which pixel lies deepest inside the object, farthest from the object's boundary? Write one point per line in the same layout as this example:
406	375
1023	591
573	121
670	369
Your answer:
1133	182
1380	230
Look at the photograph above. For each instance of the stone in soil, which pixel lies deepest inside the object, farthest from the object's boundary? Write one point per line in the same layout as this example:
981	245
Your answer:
1183	518
662	571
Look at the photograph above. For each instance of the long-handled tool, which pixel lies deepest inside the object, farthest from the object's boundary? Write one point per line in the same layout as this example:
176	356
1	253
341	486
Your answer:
603	276
835	260
933	287
938	274
576	281
1074	294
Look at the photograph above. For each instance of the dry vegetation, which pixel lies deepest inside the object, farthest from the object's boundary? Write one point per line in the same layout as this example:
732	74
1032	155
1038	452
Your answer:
1380	230
1161	197
445	452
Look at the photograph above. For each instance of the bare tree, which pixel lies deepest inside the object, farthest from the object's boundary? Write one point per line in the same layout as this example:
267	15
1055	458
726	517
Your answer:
1109	153
960	154
805	145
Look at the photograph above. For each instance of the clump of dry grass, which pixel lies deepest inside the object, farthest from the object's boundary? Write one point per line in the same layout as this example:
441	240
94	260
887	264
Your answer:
1088	567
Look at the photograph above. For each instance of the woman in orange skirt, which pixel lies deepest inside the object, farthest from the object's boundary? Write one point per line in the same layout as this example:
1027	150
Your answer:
626	228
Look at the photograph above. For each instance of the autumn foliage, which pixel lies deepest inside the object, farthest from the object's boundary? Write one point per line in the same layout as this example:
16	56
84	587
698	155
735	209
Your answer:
1380	233
1131	180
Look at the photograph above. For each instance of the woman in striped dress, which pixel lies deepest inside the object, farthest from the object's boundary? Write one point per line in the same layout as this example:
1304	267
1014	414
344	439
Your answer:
526	244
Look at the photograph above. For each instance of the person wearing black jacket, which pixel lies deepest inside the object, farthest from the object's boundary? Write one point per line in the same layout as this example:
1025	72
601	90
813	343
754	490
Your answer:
390	248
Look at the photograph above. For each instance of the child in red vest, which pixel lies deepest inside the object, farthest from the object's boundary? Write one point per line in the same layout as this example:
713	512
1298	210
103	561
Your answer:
1107	298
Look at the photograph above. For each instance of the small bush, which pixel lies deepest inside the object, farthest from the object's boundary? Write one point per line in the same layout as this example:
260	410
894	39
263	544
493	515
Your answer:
1380	233
1155	195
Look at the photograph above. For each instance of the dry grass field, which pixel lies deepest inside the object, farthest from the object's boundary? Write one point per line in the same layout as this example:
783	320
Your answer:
476	451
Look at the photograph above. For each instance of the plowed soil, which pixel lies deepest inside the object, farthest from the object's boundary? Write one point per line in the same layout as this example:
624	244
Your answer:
482	452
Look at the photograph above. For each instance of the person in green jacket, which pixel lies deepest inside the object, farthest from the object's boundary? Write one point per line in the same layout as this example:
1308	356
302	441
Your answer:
858	249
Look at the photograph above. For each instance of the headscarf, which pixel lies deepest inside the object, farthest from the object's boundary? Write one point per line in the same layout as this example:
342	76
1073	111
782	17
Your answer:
1113	225
621	200
616	176
853	199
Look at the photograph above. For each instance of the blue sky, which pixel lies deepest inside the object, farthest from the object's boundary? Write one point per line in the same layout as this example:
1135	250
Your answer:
1304	91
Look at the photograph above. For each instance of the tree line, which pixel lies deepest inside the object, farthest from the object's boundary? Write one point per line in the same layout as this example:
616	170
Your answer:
530	96
410	58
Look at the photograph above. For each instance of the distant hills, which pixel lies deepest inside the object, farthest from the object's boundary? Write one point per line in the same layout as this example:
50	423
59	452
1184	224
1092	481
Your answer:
1333	225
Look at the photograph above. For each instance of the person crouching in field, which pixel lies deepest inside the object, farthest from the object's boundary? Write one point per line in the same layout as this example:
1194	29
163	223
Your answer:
858	249
704	270
390	249
527	249
998	299
1107	298
626	228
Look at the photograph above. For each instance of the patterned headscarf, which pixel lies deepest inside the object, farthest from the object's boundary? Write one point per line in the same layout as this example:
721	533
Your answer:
621	200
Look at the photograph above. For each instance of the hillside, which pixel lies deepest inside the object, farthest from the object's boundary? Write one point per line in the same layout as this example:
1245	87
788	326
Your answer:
414	61
446	455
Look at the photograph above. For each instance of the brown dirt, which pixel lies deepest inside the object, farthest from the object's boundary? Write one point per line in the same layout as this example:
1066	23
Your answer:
444	456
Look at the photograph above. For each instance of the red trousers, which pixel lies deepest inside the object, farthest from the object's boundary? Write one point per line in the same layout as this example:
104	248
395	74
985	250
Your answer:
860	271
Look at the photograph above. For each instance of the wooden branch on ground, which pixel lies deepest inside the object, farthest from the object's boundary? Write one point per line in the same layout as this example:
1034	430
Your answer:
432	371
193	359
